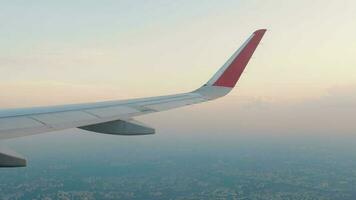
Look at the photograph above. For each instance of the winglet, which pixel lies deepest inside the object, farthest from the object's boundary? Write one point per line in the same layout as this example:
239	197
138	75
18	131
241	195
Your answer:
231	71
228	75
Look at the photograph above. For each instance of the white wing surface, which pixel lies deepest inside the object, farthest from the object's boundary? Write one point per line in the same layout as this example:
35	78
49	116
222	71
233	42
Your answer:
115	117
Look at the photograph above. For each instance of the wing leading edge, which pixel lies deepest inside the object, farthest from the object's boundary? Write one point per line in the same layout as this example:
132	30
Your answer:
115	117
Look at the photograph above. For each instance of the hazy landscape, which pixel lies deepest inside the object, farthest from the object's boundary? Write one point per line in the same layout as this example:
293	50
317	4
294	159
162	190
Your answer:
183	167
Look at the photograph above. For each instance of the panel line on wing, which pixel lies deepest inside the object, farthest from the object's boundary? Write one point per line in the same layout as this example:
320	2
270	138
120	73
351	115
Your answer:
86	111
37	120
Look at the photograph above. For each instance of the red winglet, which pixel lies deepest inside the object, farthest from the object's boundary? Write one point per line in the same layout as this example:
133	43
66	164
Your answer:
232	74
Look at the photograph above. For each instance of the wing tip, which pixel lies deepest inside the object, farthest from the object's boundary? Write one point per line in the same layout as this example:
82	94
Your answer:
234	69
260	31
226	78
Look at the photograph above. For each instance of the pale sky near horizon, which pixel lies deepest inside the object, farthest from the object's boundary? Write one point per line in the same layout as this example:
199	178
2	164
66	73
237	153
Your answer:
143	48
57	52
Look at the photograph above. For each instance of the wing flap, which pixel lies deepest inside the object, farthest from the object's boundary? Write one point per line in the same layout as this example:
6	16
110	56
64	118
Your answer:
112	111
19	123
70	117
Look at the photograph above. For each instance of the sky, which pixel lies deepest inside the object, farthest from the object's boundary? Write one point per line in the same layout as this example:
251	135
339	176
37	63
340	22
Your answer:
302	77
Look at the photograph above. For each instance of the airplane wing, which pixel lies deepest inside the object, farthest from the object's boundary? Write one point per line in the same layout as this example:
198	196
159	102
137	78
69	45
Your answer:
116	117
